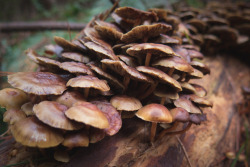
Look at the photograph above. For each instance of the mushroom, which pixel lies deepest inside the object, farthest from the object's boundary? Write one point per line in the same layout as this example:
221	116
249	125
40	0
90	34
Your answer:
53	114
40	83
155	113
88	114
76	57
88	82
61	155
78	68
68	46
33	133
27	108
76	139
11	98
183	102
149	49
11	116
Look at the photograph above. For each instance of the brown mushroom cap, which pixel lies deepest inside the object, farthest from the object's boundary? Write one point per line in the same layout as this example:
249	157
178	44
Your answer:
52	114
76	139
113	116
180	114
200	101
199	90
44	61
160	75
200	66
155	113
174	62
89	114
165	39
12	116
11	98
33	133
27	108
156	49
196	74
187	105
199	24
68	98
76	57
61	155
40	83
96	135
67	45
74	67
88	82
125	103
168	93
122	69
140	33
187	87
130	61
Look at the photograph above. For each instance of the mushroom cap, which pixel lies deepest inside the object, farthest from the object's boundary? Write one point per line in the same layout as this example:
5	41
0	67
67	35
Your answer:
180	114
12	116
76	57
111	80
53	49
61	156
32	55
187	87
40	83
122	69
108	30
74	67
174	62
187	105
128	60
44	61
160	75
52	114
89	114
88	81
96	135
195	54
27	108
199	90
11	98
163	91
76	139
67	45
33	133
125	103
161	13
165	39
155	113
139	33
113	116
197	23
68	98
156	49
200	101
196	74
200	66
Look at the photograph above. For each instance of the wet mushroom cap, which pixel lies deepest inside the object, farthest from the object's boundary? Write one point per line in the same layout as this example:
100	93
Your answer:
33	133
113	116
125	103
76	139
52	114
39	83
89	114
11	98
155	113
88	82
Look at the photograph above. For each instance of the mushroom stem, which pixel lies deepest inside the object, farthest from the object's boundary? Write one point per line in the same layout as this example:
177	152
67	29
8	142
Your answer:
86	93
153	131
163	100
126	81
148	58
167	130
171	71
183	75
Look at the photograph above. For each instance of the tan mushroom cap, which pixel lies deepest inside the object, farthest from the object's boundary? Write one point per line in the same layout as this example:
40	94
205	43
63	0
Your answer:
67	45
101	50
125	103
180	114
122	69
165	39
196	74
11	98
33	133
12	116
27	108
156	49
44	61
40	83
174	62
52	114
187	105
89	114
113	116
155	113
76	57
53	49
200	66
160	75
32	55
88	81
135	14
61	155
130	61
195	54
143	32
161	13
68	98
199	90
76	139
187	86
111	80
200	101
74	67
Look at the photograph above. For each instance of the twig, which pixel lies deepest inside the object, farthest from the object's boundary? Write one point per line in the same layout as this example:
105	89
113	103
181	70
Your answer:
185	152
39	25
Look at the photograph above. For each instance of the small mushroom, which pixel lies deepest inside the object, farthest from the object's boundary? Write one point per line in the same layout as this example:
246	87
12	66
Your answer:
183	102
155	113
11	116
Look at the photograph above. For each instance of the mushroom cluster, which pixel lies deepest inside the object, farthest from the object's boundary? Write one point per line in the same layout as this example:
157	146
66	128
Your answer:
136	65
217	27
